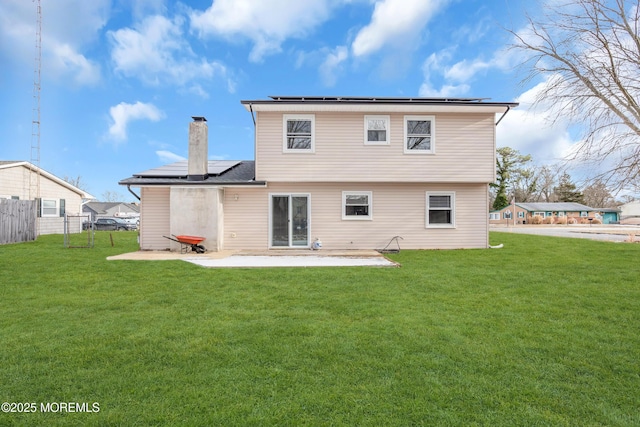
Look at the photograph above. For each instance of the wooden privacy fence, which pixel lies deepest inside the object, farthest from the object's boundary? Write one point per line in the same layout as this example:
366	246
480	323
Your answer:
17	220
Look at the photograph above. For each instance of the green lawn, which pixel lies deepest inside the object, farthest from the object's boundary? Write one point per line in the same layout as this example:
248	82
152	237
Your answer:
542	332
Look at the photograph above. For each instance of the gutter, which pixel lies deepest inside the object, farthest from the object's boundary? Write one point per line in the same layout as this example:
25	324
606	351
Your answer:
252	116
504	114
134	194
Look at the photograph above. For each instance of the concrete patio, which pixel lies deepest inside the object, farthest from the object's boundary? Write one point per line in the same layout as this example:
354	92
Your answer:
267	258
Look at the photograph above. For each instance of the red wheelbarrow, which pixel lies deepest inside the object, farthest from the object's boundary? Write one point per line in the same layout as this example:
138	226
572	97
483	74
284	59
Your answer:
188	242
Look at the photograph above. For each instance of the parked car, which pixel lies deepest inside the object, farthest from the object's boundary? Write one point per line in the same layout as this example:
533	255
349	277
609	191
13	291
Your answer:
131	220
115	224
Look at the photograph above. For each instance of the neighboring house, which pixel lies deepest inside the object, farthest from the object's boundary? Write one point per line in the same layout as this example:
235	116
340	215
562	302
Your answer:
609	215
351	172
57	197
630	212
97	210
525	211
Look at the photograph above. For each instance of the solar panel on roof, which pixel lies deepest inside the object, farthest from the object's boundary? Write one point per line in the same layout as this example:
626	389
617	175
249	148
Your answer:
180	169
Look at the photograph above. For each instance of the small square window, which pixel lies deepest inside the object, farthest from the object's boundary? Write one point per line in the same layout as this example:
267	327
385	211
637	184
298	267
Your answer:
49	207
376	130
419	132
298	131
440	209
357	205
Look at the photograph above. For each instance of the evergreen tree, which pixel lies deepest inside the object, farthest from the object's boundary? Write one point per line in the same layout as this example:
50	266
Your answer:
567	191
508	162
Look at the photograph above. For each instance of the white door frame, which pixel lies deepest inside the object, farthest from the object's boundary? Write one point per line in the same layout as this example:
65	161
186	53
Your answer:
290	222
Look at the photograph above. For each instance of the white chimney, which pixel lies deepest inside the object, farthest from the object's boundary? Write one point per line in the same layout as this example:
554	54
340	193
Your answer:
198	149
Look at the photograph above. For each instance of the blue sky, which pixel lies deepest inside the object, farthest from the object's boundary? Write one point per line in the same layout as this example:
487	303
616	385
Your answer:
121	79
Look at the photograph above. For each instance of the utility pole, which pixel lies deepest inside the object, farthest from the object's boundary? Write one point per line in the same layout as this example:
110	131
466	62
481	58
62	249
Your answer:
34	176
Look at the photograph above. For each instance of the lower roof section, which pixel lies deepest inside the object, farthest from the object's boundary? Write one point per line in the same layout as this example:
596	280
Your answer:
231	173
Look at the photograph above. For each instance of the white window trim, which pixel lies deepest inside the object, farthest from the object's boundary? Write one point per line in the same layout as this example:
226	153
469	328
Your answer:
433	135
285	117
520	214
494	216
507	215
387	120
56	214
452	194
346	217
584	214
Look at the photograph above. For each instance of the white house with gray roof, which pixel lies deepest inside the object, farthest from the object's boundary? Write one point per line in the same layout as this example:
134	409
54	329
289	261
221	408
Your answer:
56	196
351	172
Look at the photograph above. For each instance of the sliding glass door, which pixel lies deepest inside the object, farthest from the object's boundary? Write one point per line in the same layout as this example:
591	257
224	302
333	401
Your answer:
289	220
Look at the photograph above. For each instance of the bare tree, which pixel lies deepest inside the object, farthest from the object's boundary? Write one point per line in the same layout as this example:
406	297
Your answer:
589	51
112	196
597	195
525	185
547	181
76	182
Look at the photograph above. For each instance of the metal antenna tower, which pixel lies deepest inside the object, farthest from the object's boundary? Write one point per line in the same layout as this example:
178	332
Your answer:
34	176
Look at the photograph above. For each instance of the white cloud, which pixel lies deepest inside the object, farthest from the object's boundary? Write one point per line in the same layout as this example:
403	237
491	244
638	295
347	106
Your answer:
156	52
332	65
82	70
434	63
68	27
266	24
395	22
124	113
535	131
169	157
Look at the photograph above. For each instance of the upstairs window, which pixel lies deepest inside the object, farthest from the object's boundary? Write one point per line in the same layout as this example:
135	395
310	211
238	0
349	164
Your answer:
419	134
376	130
299	133
441	209
356	205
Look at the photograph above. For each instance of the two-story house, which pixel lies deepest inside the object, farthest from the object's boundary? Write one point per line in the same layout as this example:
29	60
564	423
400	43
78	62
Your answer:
352	172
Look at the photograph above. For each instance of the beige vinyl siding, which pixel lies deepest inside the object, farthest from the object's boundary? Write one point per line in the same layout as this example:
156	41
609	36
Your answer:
15	182
464	151
398	209
154	218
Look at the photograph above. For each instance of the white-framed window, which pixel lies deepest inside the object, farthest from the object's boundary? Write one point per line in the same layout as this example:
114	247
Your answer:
539	214
376	130
441	209
357	205
584	214
49	207
299	133
507	214
494	216
560	214
419	134
520	214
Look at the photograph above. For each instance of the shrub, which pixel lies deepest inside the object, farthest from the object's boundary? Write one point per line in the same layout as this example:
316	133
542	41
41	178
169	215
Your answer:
535	220
572	221
561	220
548	220
584	221
596	221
